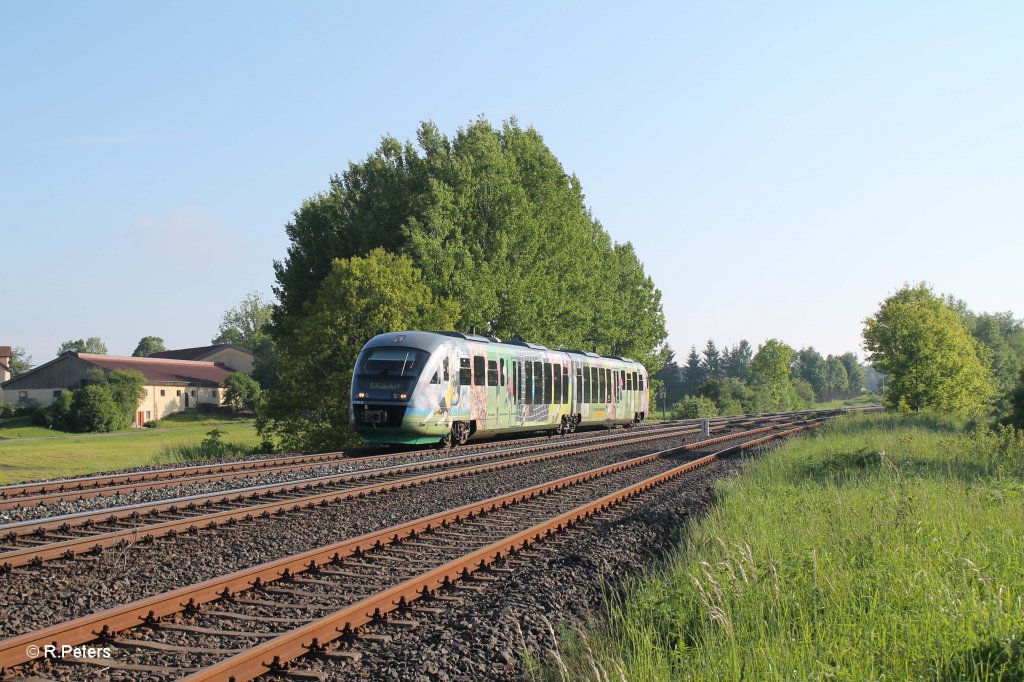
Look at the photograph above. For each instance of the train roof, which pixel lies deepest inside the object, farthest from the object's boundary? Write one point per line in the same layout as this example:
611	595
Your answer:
431	340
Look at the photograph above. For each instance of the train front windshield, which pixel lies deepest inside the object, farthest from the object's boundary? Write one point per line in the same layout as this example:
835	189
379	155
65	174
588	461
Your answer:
392	362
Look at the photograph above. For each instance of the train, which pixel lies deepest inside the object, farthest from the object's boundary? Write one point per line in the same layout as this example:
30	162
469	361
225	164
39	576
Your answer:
447	387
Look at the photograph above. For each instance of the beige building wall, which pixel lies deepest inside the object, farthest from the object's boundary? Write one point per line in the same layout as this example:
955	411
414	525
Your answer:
43	396
162	401
233	358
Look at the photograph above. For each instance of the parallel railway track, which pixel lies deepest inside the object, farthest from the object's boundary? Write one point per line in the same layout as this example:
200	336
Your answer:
244	624
64	537
108	485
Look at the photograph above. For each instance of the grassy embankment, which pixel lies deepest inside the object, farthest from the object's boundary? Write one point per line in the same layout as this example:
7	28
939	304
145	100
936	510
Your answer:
880	547
57	454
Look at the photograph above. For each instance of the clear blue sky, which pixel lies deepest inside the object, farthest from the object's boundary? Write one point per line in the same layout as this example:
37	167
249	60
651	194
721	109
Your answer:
780	167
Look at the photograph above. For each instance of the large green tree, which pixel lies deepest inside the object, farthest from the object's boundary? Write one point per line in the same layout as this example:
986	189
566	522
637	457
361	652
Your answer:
360	298
149	345
928	354
493	221
20	361
248	325
769	374
93	344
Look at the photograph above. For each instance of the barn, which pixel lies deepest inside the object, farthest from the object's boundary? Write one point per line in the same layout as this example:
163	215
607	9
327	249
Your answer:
172	385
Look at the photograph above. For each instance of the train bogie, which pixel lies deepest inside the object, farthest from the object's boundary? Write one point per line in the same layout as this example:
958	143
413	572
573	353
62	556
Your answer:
429	387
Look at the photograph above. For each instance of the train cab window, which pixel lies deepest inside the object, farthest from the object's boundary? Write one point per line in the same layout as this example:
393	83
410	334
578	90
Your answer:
557	391
547	383
435	379
528	385
479	374
465	373
444	367
492	372
501	371
565	385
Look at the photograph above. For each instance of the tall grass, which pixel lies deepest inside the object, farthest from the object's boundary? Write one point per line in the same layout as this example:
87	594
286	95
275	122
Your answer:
881	547
212	447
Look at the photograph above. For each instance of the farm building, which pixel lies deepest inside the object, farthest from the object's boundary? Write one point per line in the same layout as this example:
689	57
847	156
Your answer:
172	385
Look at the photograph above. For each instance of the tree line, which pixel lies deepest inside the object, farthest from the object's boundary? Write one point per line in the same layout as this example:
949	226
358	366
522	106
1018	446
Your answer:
739	381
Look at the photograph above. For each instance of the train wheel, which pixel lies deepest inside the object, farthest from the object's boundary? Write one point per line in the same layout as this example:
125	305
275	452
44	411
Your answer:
459	433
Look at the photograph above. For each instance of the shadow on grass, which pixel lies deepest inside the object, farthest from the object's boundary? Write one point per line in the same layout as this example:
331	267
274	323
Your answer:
1001	660
852	467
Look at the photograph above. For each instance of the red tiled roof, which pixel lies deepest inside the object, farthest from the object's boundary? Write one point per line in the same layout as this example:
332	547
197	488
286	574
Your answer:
162	370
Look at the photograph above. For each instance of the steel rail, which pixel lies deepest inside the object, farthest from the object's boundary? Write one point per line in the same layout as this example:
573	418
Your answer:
56	491
169	474
68	549
110	621
101	515
274	654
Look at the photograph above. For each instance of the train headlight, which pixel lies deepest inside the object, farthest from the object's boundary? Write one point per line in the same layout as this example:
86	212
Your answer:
361	394
403	396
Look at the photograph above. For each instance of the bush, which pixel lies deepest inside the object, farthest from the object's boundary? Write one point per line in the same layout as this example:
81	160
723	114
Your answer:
694	407
94	409
241	391
6	410
58	414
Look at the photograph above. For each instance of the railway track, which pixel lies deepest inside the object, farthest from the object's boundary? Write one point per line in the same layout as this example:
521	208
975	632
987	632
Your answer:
67	536
110	485
247	623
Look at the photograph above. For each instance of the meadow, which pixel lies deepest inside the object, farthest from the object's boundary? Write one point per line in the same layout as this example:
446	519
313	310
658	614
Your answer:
880	547
30	452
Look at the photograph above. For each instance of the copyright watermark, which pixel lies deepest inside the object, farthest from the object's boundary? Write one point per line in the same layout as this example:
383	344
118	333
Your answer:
67	651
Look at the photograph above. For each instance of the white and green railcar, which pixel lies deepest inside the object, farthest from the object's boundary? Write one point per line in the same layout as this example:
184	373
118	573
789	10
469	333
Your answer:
419	387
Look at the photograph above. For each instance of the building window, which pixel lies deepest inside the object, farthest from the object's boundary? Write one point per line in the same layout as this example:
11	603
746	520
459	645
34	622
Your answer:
162	393
148	415
193	394
214	394
178	392
56	393
22	394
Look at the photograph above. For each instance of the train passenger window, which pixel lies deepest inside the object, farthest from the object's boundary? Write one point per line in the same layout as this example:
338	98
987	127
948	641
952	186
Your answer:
586	384
478	370
601	387
641	382
595	391
435	379
579	385
444	366
629	385
547	383
517	385
528	387
565	385
501	370
492	372
636	386
539	383
465	373
558	384
608	377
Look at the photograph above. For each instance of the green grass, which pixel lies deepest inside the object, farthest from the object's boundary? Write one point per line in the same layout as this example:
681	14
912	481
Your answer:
188	419
880	547
81	454
24	427
859	401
